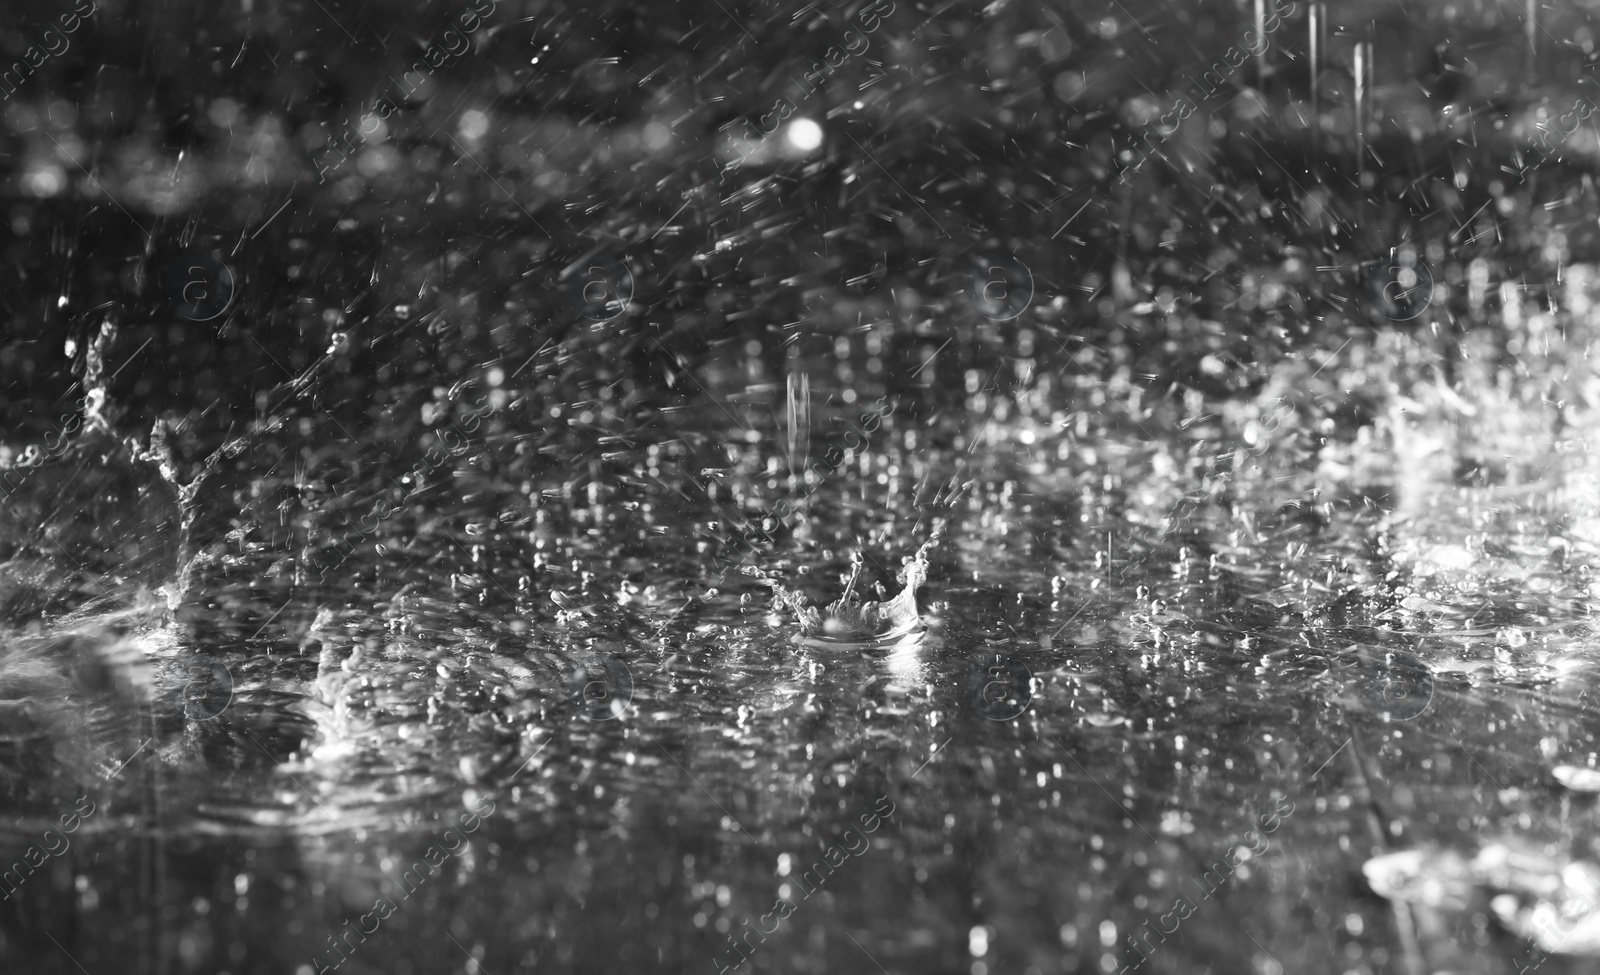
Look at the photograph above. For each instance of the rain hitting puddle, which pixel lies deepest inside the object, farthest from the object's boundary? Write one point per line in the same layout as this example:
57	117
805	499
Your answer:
851	622
983	488
1216	674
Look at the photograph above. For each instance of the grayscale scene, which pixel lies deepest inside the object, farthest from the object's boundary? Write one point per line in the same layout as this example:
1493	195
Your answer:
997	487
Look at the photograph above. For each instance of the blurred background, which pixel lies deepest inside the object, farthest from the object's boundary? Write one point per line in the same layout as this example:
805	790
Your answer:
304	171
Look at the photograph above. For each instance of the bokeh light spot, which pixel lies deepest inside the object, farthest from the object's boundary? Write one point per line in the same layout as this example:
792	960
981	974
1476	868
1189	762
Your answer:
474	124
805	134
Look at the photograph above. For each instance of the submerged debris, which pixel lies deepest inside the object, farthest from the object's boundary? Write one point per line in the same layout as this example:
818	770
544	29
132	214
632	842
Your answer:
847	620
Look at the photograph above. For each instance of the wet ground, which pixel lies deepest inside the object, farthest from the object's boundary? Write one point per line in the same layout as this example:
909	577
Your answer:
1179	675
478	494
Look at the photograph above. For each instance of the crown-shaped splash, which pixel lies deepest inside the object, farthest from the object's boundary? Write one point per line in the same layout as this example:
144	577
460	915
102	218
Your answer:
846	620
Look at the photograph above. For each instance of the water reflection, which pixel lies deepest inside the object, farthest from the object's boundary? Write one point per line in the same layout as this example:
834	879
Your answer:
1129	658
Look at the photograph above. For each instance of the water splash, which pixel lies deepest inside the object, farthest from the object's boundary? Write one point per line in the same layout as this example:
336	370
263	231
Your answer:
847	621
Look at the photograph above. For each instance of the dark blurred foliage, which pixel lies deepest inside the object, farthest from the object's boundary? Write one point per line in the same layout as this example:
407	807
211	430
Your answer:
562	196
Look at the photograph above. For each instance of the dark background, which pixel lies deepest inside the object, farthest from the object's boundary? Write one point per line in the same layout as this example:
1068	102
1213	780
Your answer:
174	135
